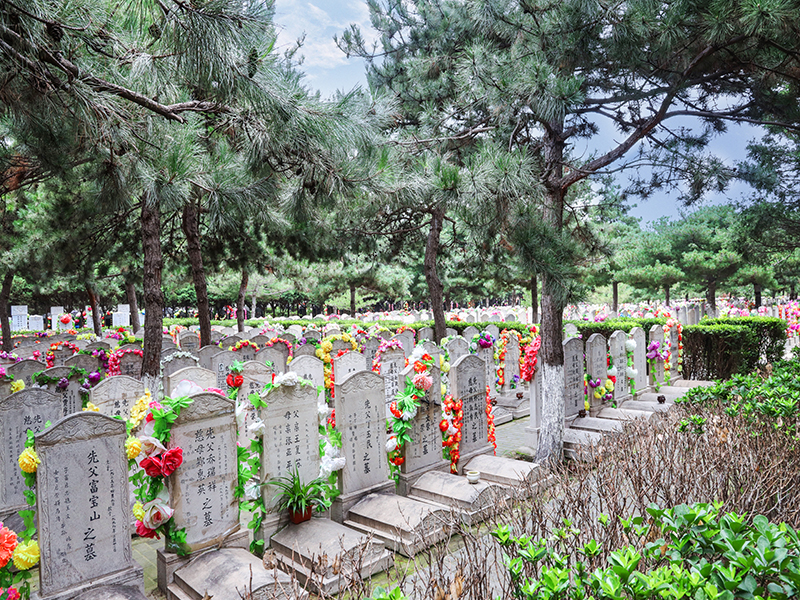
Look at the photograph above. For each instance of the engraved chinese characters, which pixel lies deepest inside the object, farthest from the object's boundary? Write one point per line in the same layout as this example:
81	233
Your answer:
82	501
573	376
361	418
201	489
468	382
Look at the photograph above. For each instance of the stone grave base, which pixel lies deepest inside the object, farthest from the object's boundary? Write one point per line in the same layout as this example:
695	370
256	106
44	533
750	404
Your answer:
502	415
595	424
518	407
230	574
577	440
406	481
323	554
473	502
521	477
132	577
167	563
643	405
406	526
465	457
342	504
114	592
623	414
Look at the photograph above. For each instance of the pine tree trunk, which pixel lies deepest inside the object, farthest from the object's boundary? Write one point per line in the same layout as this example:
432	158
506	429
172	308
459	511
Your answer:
551	435
253	305
666	293
711	294
241	300
352	301
5	321
191	229
435	287
153	296
757	293
615	296
534	299
130	290
96	323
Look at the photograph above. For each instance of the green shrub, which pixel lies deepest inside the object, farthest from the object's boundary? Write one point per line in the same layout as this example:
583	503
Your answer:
609	326
717	351
770	333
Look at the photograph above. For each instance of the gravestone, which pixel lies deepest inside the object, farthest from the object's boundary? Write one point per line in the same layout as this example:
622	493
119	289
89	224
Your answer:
115	396
449	332
656	367
616	348
424	452
216	337
230	340
221	363
19	318
487	356
189	341
683	315
295	330
371	346
130	364
511	370
205	355
426	333
639	360
288	337
468	383
202	493
255	376
393	361
36	323
176	363
573	377
597	367
169	351
535	420
349	362
339	345
470	332
291	441
83	508
71	401
61	354
407	339
304	350
277	354
55	312
259	340
310	368
313	334
570	331
456	348
493	330
245	353
359	402
25	369
83	361
30	409
673	363
205	378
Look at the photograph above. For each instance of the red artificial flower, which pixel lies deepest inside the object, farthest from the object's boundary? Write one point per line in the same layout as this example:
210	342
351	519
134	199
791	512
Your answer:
66	319
419	367
152	466
444	425
235	381
171	460
145	532
427	357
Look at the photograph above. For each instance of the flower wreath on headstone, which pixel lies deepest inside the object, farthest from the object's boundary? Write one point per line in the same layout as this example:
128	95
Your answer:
405	406
668	362
99	353
480	340
490	421
403	328
324	354
630	372
304	340
50	356
285	342
87	380
450	426
500	356
116	355
151	463
128	338
531	357
385	346
330	444
248	344
9	356
177	355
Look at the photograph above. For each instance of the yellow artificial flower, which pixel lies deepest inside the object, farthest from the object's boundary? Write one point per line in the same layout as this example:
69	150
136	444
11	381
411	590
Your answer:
345	337
318	352
26	555
598	394
445	367
586	405
444	389
133	446
327	358
29	460
609	385
91	407
139	410
17	386
327	346
138	511
130	339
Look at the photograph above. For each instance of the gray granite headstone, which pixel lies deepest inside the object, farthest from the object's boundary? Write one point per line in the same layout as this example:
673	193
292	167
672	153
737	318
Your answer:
393	361
371	346
456	348
176	363
310	368
61	354
25	370
470	332
202	377
313	334
130	364
189	341
277	354
36	323
115	396
202	488
222	362
573	376
673	346
83	506
639	360
511	362
487	356
468	382
656	371
83	361
597	367
426	333
570	330
407	339
71	400
304	350
205	355
30	409
616	348
255	376
493	330
349	362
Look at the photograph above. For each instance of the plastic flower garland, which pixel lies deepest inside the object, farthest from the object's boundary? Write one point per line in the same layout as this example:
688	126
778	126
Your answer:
656	352
248	344
667	327
385	346
500	357
630	371
87	380
490	421
403	328
528	368
116	355
324	354
278	340
155	463
451	424
404	408
480	340
50	356
99	353
10	356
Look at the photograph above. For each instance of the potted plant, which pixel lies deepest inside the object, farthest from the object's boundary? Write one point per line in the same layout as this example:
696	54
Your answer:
297	497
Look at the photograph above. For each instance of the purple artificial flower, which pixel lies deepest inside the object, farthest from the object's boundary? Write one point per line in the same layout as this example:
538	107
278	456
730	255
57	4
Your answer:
94	377
63	383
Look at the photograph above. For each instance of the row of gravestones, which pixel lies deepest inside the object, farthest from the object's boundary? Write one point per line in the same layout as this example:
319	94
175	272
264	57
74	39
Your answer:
82	491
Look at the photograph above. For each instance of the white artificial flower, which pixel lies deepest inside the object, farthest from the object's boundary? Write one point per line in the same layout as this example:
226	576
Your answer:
257	428
289	378
632	373
252	490
391	444
416	354
241	414
186	388
324	410
151	446
451	429
612	372
630	345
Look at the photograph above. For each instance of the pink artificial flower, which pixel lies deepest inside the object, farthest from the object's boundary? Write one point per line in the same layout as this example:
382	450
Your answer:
422	381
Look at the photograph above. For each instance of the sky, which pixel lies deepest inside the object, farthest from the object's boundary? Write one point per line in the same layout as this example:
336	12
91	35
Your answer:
327	69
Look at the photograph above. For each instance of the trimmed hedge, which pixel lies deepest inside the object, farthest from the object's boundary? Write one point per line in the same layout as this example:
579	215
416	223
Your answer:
770	333
609	326
718	351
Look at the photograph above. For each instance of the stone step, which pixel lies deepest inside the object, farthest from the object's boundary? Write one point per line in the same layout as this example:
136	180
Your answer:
691	383
577	439
621	414
644	406
505	471
175	592
473	502
653	397
522	412
113	592
595	424
502	415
